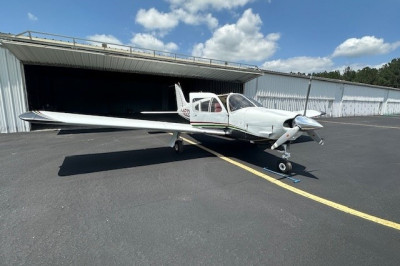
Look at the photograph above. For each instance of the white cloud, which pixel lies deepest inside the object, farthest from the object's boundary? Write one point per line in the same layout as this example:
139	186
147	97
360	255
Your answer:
191	12
112	42
302	64
367	45
196	18
32	17
139	40
148	41
200	5
104	38
153	19
242	41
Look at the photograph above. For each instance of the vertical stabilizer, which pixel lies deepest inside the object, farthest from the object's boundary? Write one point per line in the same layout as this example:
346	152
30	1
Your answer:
180	98
181	103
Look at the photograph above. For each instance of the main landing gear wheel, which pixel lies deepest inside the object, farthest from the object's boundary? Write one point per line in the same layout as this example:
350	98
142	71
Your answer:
178	147
284	166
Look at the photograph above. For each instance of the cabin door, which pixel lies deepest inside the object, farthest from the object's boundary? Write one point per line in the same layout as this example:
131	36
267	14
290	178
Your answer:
207	111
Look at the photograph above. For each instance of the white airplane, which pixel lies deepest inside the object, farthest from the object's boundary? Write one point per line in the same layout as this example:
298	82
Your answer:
232	115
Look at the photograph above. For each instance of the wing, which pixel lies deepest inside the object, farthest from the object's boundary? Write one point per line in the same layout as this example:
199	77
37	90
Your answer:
112	122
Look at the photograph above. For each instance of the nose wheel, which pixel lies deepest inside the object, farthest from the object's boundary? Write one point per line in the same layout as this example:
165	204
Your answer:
283	165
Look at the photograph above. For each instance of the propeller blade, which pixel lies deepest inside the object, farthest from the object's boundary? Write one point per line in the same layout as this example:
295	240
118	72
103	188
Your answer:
285	137
308	95
314	135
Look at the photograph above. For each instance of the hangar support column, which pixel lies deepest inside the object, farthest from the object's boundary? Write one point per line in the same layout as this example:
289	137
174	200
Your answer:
13	100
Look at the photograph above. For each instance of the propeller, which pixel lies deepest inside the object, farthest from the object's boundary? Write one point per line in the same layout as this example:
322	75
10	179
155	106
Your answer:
301	123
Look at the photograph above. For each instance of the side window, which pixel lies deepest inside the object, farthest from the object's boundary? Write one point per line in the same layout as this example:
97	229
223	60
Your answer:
204	105
215	106
198	104
211	105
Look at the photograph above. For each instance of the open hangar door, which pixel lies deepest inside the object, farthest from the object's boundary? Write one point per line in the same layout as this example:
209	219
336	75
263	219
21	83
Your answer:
110	93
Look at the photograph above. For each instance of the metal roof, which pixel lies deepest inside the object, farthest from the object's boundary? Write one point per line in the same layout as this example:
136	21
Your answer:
80	53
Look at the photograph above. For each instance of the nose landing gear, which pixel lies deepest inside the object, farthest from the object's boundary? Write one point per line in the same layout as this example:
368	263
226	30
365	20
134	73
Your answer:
283	165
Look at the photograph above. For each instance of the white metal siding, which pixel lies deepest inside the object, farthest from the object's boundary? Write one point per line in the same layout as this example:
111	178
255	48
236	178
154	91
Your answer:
12	94
289	93
335	98
392	105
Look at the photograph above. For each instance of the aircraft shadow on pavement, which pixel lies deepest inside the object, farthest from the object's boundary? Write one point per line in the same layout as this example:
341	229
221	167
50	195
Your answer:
98	162
258	155
244	151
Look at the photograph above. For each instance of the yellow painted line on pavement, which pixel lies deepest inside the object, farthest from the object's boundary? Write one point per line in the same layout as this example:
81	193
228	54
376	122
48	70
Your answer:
303	193
357	124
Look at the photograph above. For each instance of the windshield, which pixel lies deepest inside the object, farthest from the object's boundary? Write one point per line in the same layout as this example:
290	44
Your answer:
256	103
239	101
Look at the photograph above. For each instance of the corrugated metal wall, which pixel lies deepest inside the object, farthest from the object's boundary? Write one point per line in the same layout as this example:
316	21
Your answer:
335	98
12	94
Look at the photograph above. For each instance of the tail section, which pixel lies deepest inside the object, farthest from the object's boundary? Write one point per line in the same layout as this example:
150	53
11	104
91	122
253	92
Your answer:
182	104
180	98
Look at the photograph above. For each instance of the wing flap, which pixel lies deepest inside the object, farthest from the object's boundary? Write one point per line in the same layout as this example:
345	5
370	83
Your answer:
112	122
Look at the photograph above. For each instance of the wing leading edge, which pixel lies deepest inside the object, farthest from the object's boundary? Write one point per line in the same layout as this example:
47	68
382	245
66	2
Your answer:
112	122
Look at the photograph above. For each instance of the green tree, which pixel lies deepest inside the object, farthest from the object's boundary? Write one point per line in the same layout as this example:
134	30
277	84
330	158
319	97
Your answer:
349	74
367	75
388	75
330	75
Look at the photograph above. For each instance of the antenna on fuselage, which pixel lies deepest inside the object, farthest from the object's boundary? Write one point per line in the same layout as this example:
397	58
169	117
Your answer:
308	95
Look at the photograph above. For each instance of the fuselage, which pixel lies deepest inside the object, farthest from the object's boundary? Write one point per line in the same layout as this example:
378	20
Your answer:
241	117
259	123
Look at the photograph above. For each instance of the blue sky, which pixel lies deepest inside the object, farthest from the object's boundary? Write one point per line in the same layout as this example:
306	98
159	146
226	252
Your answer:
282	35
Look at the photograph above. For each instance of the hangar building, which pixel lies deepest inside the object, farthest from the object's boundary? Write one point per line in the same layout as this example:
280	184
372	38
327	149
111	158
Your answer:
57	73
41	71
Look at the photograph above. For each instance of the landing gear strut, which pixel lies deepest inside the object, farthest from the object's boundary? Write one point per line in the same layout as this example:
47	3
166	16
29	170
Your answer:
284	166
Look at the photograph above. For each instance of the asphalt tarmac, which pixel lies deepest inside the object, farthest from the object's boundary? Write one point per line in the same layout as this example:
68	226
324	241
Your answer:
106	197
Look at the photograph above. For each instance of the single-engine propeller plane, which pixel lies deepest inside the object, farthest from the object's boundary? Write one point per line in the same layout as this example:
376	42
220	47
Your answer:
232	115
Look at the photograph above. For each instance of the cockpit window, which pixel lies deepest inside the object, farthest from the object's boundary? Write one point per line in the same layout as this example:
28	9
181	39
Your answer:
239	101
